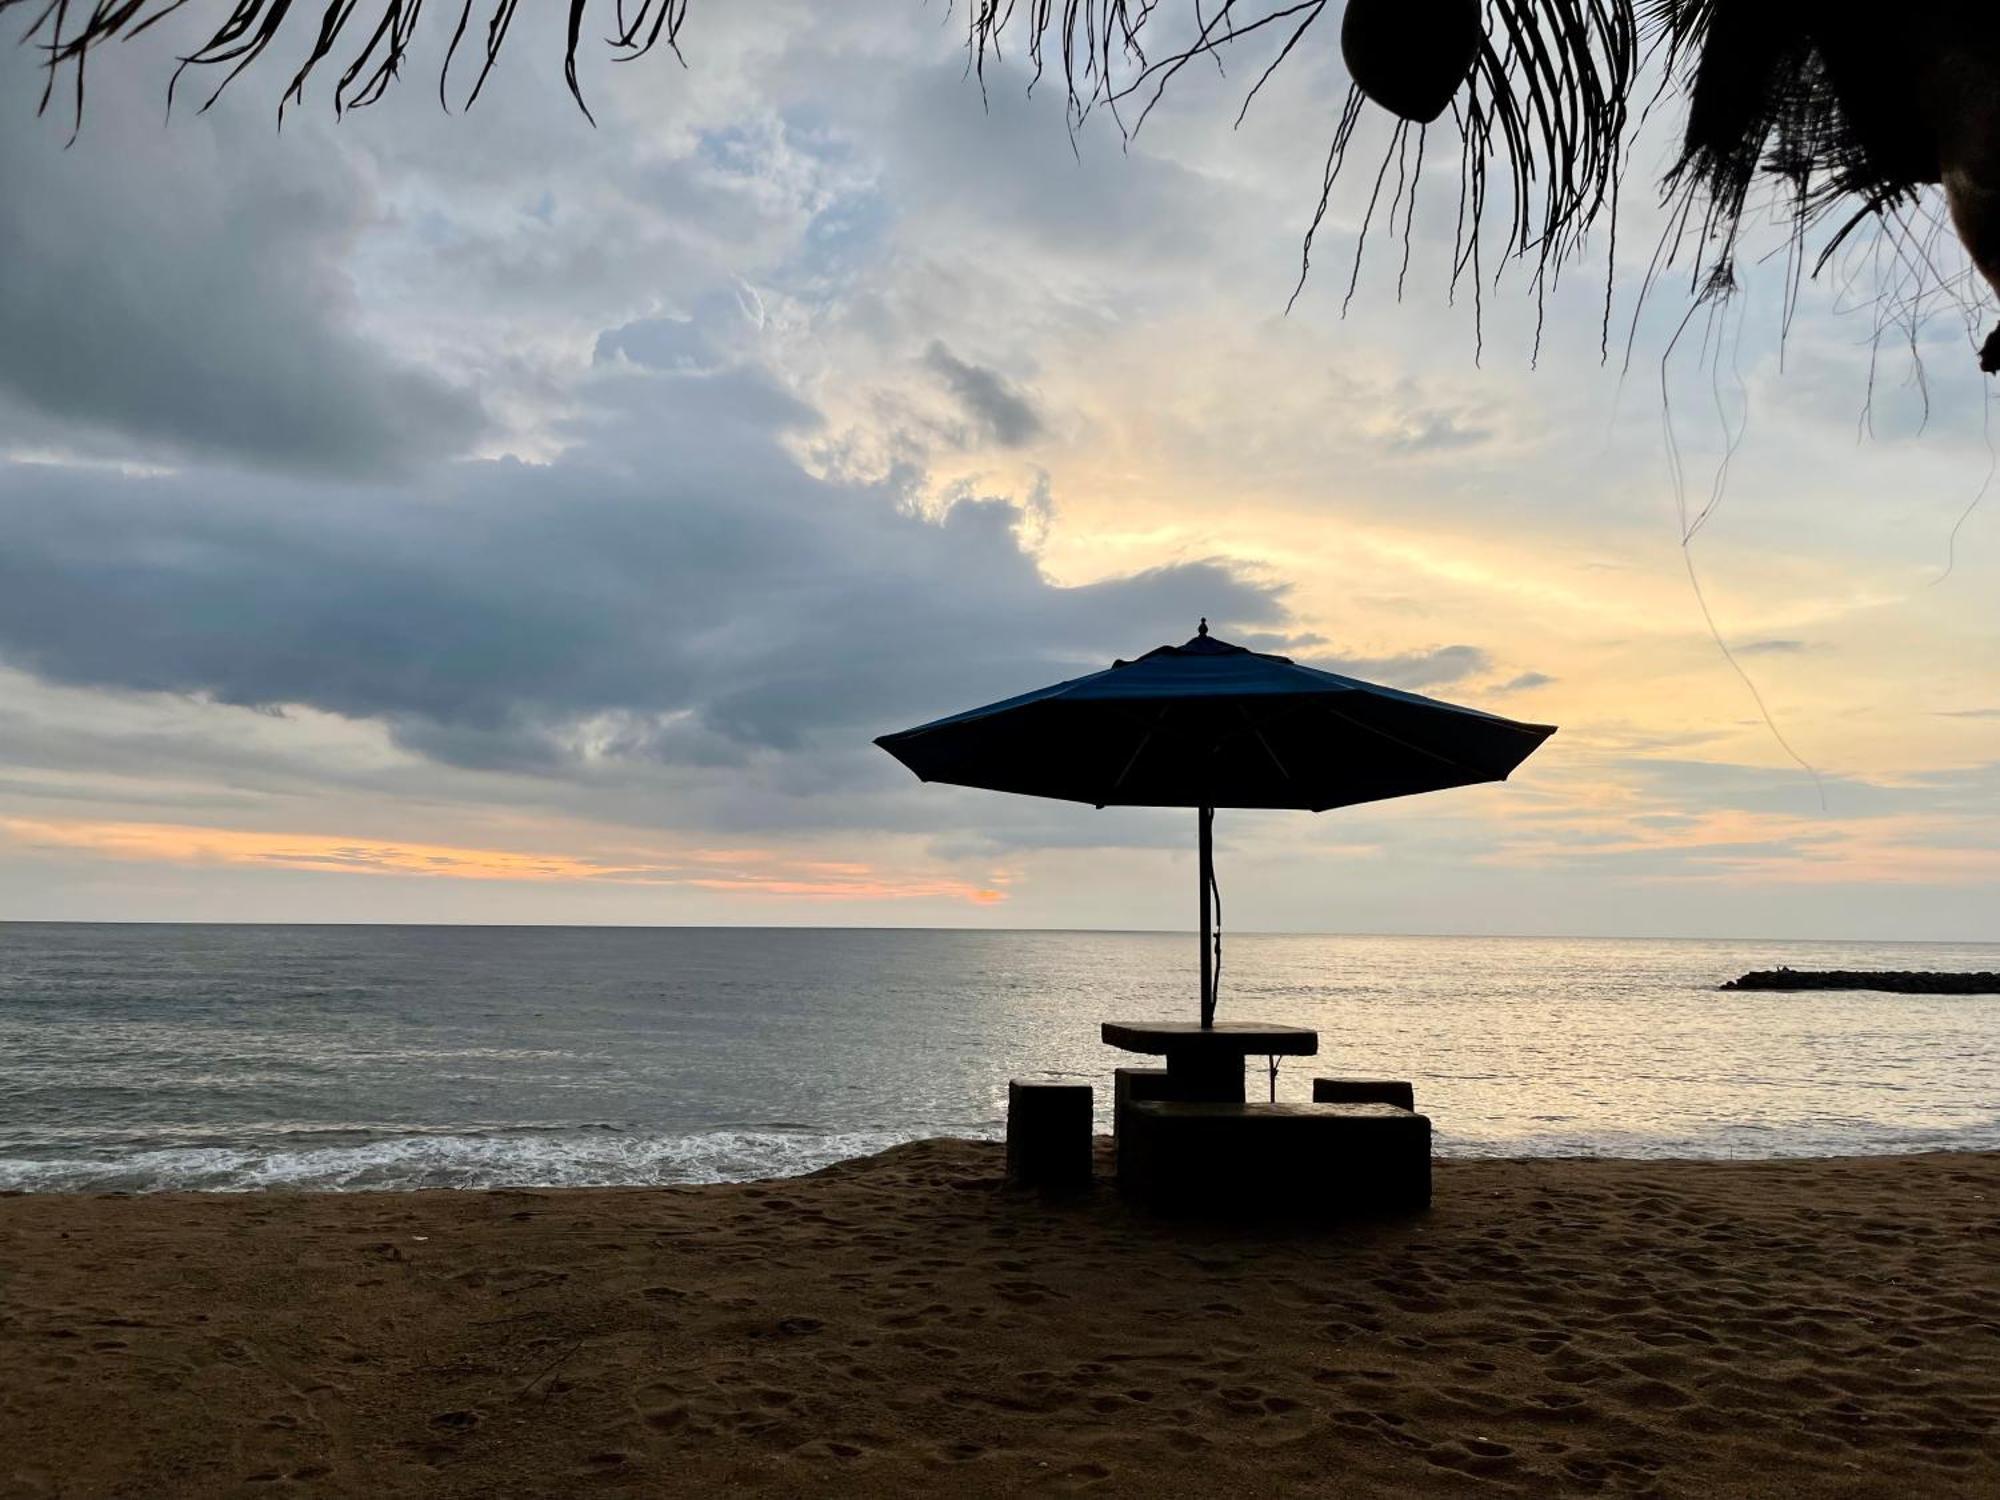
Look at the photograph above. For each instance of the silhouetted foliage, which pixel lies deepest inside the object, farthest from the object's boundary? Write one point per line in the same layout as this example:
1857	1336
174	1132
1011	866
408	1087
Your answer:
1846	109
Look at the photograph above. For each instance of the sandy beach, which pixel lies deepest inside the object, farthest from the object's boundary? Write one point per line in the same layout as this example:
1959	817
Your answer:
903	1324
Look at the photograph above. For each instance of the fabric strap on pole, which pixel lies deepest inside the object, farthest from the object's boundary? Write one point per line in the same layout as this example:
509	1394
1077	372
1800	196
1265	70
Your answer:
1205	822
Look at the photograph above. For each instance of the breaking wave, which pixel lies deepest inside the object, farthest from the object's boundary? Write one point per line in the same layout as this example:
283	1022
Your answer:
542	1159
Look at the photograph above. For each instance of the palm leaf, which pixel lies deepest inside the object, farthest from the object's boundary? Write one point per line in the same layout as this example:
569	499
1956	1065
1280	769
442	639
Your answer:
1809	95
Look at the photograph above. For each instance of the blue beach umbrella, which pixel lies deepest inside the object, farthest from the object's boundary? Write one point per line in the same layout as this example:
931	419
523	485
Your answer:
1208	724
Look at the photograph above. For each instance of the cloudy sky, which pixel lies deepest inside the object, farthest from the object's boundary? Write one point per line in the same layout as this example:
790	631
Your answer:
497	519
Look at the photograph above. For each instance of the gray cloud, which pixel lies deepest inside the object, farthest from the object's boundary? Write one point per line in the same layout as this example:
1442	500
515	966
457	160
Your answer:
657	344
1968	791
1105	197
181	291
1436	431
1413	669
1771	648
675	590
1524	682
999	410
1409	670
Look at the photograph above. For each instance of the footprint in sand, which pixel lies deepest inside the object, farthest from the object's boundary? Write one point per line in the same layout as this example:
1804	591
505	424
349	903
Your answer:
830	1448
1651	1395
1477	1456
1025	1293
1562	1401
666	1418
1087	1473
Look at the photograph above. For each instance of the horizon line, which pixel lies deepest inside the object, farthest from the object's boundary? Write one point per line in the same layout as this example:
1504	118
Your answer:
1184	932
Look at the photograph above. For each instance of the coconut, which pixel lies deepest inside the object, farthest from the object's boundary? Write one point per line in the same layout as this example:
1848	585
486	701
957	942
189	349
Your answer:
1411	56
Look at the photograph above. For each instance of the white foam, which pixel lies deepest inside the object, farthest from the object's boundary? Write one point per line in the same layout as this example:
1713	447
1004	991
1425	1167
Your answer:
581	1159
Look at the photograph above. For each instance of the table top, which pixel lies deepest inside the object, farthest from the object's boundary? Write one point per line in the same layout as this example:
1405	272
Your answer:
1216	1109
1224	1039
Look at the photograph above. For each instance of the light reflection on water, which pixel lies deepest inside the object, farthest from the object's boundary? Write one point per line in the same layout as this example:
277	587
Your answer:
356	1057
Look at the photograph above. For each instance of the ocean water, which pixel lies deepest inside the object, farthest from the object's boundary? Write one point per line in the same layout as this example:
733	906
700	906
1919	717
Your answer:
216	1057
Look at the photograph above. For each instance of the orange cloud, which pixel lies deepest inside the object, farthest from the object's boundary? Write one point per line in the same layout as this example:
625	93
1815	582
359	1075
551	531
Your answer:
1732	844
743	871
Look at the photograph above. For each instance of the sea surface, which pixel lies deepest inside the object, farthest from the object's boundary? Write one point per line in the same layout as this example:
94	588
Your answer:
218	1057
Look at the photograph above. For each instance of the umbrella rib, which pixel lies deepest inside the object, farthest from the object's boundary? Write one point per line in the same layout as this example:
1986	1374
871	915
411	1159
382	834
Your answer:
1258	730
1398	740
1138	750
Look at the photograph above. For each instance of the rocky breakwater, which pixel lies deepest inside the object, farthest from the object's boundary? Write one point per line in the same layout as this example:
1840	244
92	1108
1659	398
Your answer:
1896	981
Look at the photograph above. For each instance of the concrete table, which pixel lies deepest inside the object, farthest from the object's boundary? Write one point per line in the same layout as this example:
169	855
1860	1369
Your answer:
1205	1063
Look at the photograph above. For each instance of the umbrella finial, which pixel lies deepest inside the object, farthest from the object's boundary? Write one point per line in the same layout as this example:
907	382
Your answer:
1203	628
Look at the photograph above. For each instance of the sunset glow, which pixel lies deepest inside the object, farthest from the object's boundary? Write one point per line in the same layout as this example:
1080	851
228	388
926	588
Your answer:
745	872
609	491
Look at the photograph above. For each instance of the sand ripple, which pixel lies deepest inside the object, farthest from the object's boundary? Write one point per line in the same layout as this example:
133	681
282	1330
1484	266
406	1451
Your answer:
902	1325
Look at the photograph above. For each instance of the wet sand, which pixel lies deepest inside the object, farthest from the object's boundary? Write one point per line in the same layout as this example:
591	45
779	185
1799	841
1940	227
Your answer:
904	1325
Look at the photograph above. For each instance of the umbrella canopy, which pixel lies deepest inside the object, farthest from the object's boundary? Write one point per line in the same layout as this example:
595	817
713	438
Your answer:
1208	724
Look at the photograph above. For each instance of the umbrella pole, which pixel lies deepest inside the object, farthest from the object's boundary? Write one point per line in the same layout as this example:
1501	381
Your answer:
1206	817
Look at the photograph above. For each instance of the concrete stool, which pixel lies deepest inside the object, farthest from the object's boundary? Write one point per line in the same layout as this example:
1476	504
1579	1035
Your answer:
1048	1133
1364	1091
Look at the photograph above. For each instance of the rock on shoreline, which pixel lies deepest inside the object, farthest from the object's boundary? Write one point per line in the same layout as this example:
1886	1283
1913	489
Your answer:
1896	981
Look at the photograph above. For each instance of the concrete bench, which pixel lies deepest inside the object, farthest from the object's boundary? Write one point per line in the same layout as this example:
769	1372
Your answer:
1275	1160
1364	1091
1048	1134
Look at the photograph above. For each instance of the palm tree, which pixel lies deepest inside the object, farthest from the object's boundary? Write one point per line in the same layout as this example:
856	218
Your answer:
1846	111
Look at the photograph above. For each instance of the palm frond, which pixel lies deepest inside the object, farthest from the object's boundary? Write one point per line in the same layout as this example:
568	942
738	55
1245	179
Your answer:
67	33
1818	98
